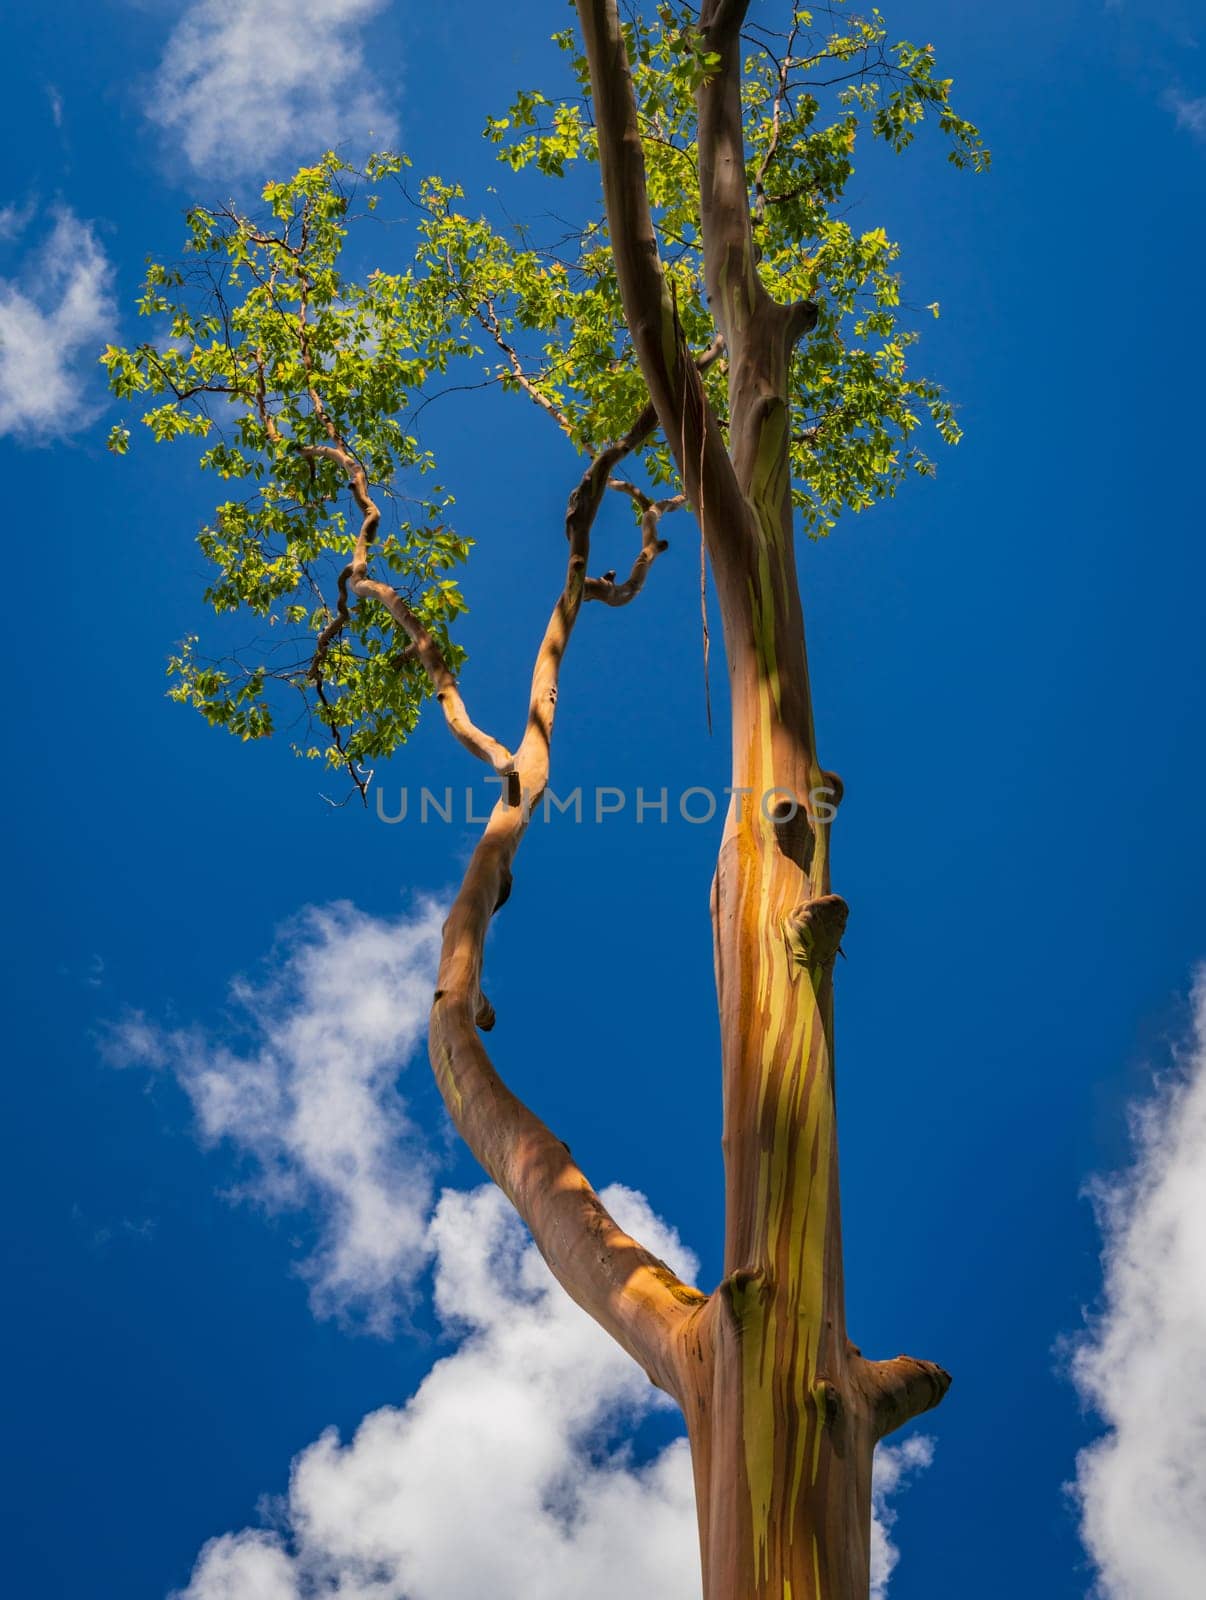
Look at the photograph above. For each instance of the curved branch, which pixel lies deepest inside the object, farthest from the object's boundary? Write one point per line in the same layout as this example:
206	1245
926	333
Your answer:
355	577
488	317
633	1295
422	645
443	680
606	589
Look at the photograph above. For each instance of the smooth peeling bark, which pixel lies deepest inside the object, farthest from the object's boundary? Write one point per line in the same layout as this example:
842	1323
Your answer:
783	1413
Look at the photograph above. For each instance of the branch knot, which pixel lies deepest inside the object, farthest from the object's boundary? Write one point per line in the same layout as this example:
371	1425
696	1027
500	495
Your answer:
813	931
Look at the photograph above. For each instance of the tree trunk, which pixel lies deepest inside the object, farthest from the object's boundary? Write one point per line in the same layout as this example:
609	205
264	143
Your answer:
781	1432
783	1413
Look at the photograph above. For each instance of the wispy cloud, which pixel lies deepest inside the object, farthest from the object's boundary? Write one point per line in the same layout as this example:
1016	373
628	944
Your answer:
100	1235
14	220
1142	1364
312	1100
54	316
245	84
1190	113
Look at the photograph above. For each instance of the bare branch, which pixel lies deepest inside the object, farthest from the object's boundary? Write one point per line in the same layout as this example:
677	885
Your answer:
606	589
488	318
361	780
772	146
443	680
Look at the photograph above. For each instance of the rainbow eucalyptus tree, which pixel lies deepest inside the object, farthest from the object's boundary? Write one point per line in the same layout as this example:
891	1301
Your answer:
719	339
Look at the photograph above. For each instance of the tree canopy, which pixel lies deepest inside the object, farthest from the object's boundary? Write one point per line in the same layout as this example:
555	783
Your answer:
303	381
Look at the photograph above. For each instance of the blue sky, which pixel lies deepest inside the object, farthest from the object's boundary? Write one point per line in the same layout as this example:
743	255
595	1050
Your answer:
1008	668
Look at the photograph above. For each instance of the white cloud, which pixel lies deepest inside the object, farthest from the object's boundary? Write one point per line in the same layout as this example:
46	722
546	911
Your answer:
244	84
314	1103
1189	112
1142	1365
509	1471
503	1475
893	1466
53	321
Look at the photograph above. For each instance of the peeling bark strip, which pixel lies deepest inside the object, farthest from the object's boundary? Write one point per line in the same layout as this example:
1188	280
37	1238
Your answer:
782	1410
